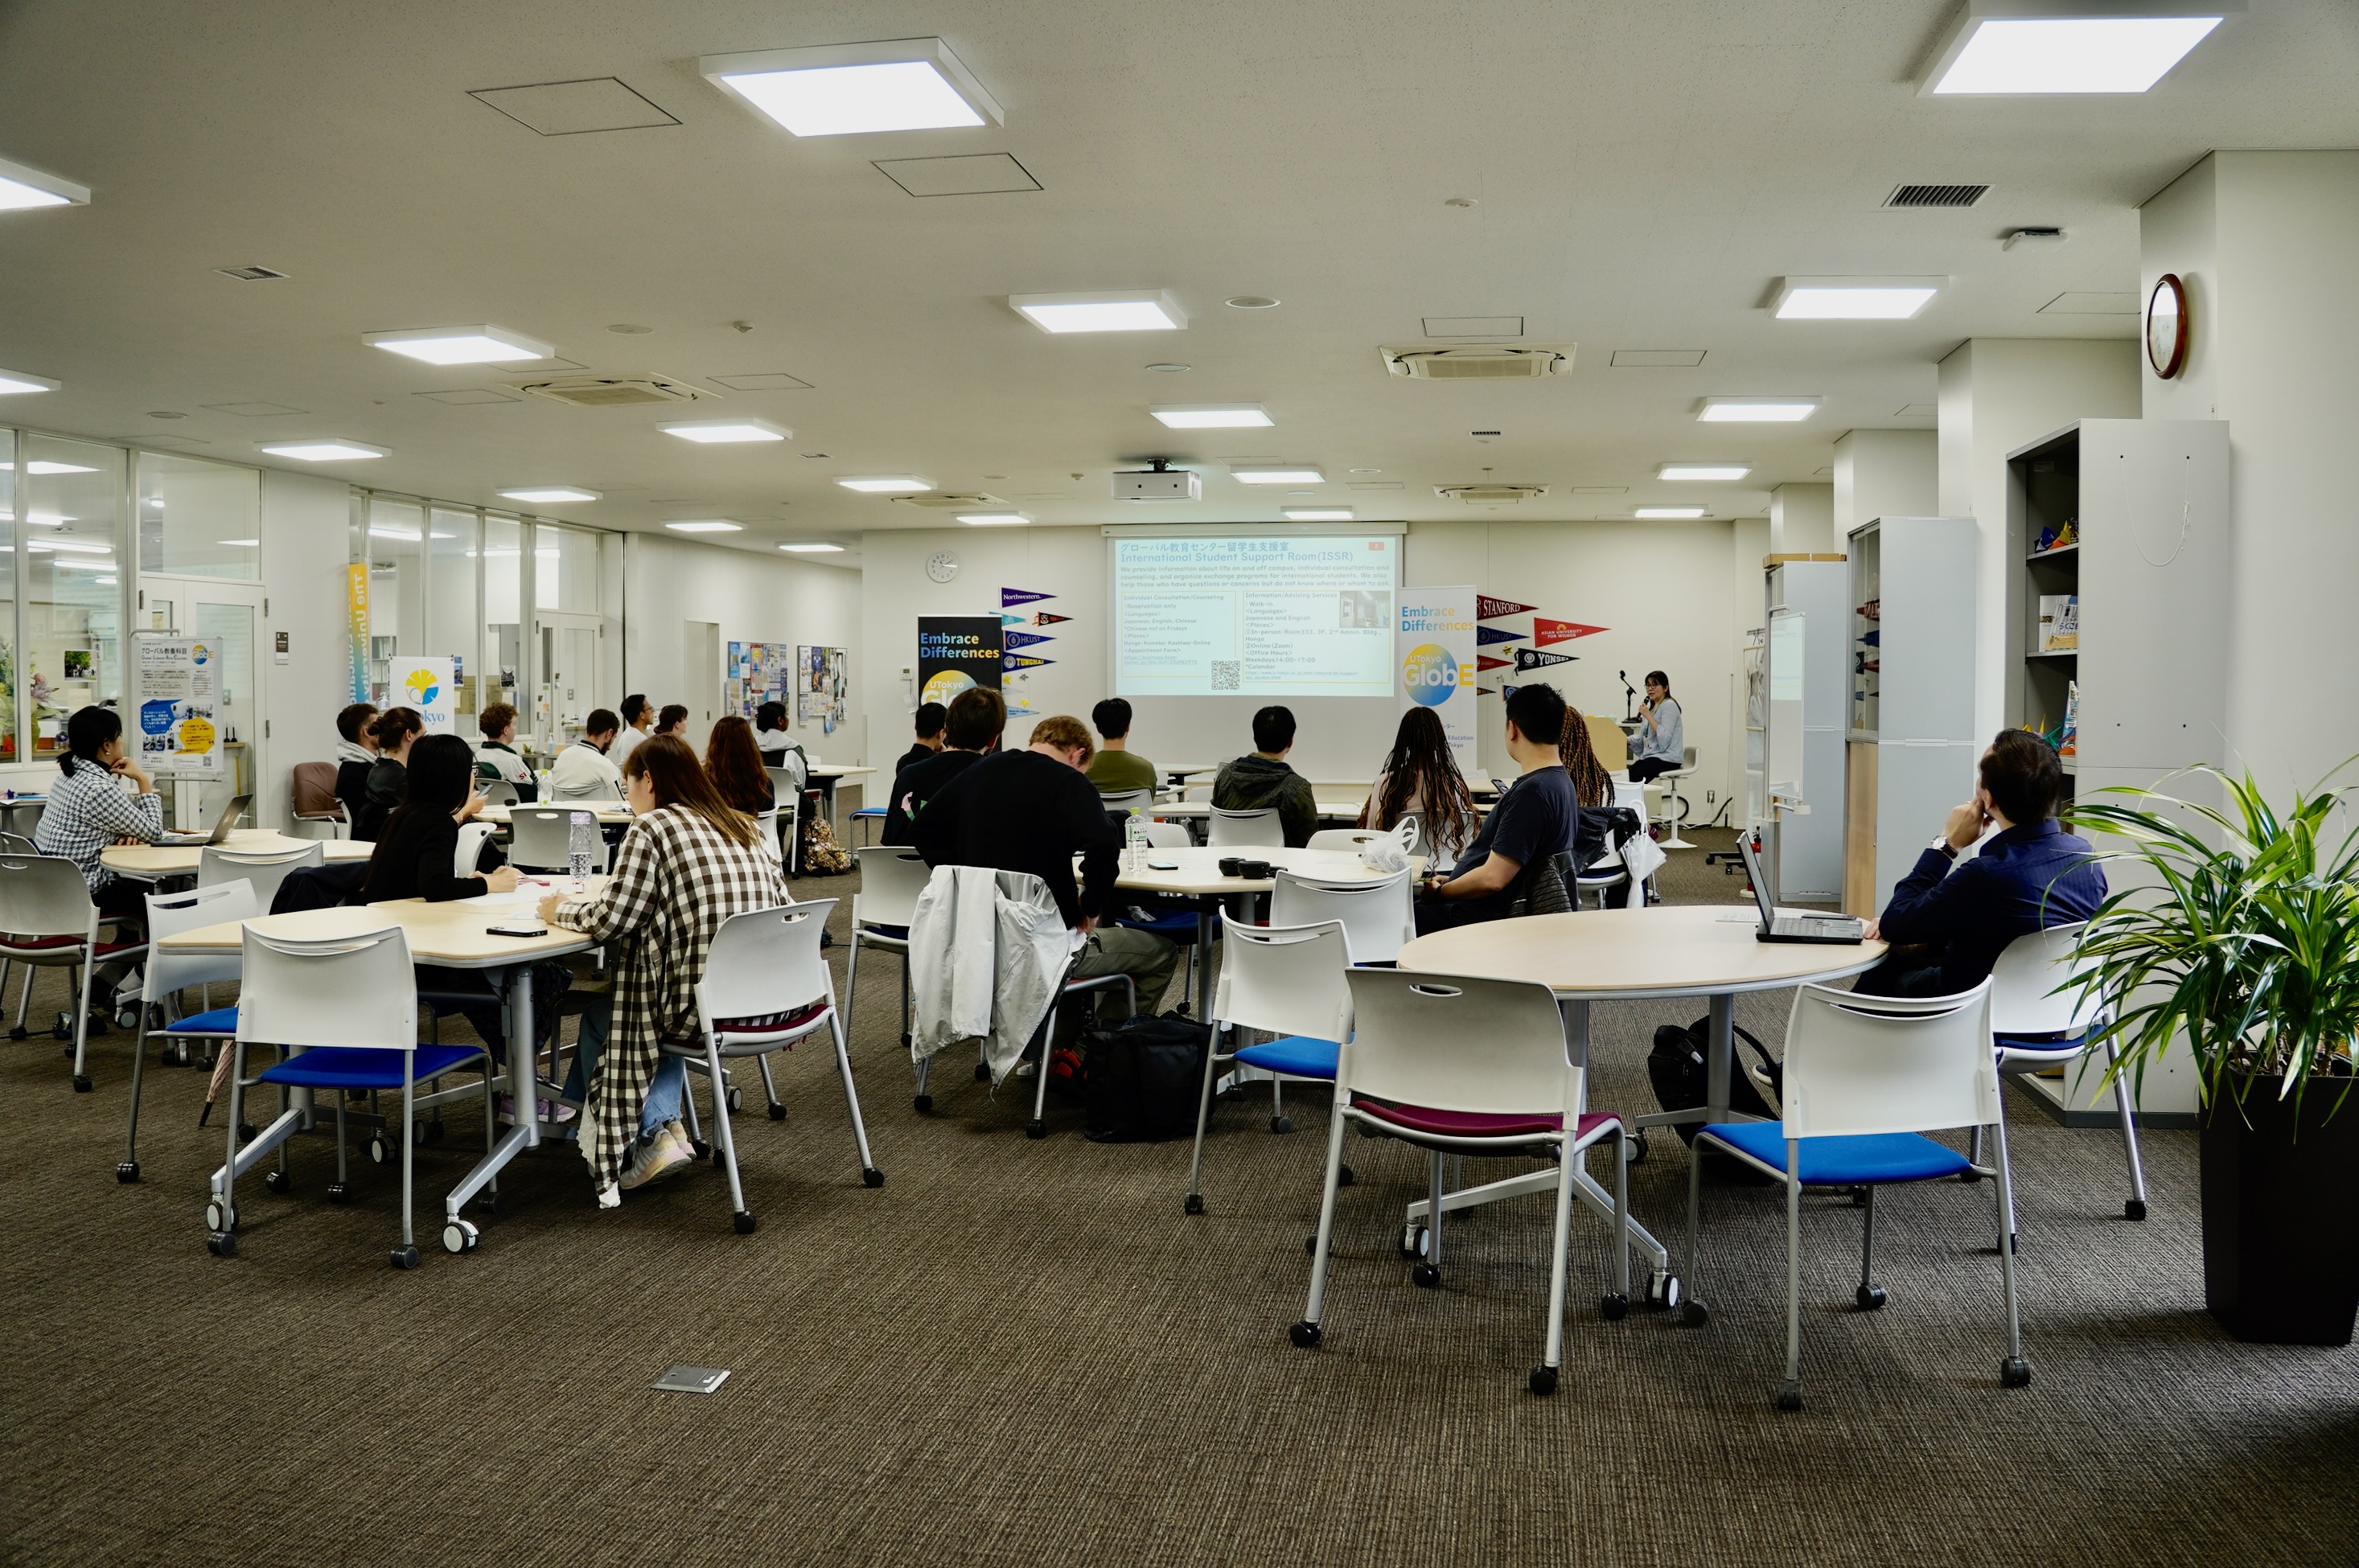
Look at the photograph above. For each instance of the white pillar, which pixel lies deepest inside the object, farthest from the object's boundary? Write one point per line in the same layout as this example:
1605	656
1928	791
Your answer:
1883	473
1802	520
2262	242
1996	394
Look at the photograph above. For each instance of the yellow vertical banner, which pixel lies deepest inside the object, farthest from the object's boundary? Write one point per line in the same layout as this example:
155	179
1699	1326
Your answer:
356	605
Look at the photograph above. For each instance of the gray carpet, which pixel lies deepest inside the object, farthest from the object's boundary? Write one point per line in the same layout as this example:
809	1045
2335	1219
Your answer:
1018	1351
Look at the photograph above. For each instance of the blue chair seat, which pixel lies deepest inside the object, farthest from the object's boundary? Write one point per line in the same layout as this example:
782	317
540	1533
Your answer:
220	1021
871	811
2040	1044
366	1067
1295	1055
1863	1161
891	933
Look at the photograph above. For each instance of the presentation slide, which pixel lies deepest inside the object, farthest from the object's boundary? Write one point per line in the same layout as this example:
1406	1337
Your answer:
1299	615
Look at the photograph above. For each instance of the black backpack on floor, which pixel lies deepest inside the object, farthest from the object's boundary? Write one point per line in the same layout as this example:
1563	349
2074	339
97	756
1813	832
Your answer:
1141	1080
1680	1072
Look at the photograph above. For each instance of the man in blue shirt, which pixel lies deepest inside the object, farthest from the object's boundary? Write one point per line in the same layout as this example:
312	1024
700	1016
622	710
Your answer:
1948	922
1538	816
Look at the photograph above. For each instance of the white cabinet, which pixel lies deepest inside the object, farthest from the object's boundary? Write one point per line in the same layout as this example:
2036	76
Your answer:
1806	863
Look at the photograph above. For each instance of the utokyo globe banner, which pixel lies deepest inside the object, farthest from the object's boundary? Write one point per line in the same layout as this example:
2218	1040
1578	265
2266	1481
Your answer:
1433	643
430	686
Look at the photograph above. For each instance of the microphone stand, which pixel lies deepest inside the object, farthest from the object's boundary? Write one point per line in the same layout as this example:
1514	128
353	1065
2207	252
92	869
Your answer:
1629	698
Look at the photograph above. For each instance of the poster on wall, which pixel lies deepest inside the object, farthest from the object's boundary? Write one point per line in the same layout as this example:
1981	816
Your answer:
822	684
176	691
430	685
1433	643
760	673
956	652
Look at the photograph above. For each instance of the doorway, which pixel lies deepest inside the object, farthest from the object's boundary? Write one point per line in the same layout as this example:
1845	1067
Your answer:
699	665
228	615
568	674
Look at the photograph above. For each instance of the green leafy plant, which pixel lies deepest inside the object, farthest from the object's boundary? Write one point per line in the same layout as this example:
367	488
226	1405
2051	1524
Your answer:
2242	936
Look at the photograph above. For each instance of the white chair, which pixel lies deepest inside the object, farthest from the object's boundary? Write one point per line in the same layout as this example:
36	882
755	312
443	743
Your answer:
765	987
1285	981
1417	842
765	823
1120	802
891	878
1346	839
263	870
1458	1065
344	1012
500	791
468	857
540	838
49	921
168	974
1378	917
2040	1019
1168	836
1245	829
1674	807
1865	1076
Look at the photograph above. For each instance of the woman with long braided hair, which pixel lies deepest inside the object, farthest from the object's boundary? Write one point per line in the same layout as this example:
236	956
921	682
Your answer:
1590	782
1420	776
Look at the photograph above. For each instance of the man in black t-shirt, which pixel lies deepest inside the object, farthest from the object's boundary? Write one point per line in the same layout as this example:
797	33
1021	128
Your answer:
969	728
1538	816
931	718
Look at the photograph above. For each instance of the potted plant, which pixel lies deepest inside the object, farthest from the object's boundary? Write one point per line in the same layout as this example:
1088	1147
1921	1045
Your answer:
2239	933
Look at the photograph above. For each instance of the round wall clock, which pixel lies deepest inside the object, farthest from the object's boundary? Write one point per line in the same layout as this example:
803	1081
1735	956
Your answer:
2166	326
942	566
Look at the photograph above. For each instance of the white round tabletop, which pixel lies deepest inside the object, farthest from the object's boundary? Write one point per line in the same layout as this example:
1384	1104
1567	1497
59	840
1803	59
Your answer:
1668	950
1197	871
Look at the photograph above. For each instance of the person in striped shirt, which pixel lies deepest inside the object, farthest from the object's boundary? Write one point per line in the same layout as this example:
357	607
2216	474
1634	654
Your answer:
105	799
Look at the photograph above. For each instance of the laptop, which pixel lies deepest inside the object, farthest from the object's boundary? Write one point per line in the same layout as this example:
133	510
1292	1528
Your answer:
221	826
1838	929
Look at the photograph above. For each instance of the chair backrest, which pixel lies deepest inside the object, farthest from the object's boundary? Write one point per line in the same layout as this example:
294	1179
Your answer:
765	823
1343	838
1416	841
541	836
500	791
314	787
1454	1043
788	780
1873	1064
261	869
41	895
356	990
1121	802
765	961
1285	979
1247	830
169	914
469	855
1377	917
1631	796
891	878
1168	836
2031	985
17	844
1687	758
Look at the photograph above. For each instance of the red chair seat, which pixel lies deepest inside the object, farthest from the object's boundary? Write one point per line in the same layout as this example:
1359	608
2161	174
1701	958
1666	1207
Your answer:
51	944
769	1023
1478	1124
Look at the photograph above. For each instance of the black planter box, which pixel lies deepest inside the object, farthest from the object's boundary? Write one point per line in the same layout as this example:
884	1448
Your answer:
2281	1233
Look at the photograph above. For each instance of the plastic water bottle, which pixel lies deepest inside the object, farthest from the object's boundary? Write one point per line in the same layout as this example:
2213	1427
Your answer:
582	845
1134	843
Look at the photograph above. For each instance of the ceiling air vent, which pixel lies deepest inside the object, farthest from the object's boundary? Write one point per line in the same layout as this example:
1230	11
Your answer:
1491	494
248	274
1935	195
942	503
1480	362
612	391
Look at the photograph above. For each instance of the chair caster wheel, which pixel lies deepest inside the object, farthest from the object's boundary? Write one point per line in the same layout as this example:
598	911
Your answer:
20	1032
128	1170
1636	1145
1195	1203
459	1237
126	1018
221	1217
743	1222
982	1072
924	1103
2134	1209
81	1083
778	1112
1871	1298
1859	1197
1035	1130
1281	1124
1426	1274
433	1133
1310	1243
1413	1241
1968	1178
2014	1372
700	1148
380	1149
1693	1313
1613	1307
871	1177
222	1244
1663	1289
247	1132
404	1256
277	1181
1344	1176
1542	1381
339	1192
1305	1335
1789	1398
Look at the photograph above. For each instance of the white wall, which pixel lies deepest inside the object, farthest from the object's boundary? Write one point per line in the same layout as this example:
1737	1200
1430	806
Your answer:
1884	473
305	546
1802	520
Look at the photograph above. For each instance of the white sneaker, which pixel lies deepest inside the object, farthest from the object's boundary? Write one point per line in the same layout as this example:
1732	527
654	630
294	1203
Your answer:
654	1159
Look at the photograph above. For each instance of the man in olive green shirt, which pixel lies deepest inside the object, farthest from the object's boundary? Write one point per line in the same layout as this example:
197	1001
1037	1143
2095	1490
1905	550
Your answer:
1116	769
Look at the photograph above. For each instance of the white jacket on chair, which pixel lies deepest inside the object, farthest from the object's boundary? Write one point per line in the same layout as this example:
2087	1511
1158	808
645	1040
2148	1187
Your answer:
988	950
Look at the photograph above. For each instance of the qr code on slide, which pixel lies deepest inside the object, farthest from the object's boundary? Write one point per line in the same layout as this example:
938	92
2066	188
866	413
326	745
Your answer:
1226	675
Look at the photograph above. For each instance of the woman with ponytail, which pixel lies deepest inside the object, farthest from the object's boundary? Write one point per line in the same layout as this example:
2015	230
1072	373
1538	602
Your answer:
105	799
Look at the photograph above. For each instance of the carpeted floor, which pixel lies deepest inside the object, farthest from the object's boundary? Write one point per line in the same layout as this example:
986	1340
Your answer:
1019	1351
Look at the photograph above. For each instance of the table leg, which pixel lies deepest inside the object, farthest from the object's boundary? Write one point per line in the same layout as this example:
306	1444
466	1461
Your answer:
522	1082
1719	1056
1204	911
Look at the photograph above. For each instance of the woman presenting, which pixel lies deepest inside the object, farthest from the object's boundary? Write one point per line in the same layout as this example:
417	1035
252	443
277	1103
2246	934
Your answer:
1659	746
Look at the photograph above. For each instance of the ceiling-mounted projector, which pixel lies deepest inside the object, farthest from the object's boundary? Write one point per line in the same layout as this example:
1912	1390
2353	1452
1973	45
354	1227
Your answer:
1161	483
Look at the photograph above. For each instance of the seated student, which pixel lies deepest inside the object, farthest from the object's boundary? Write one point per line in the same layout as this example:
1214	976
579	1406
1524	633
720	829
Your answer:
355	754
638	715
733	764
1421	774
929	719
497	760
105	799
1035	810
1262	780
1948	920
396	729
1660	744
688	862
969	728
1538	816
673	720
585	770
1593	785
1116	769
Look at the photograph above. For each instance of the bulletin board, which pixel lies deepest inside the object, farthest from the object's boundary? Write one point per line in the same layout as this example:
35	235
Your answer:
822	684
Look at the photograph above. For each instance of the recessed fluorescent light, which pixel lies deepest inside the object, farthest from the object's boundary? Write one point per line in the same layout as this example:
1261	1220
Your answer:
45	465
1122	310
254	544
1316	513
550	494
1704	470
77	546
1657	512
706	525
814	549
1211	415
1757	410
711	431
22	187
1853	298
46	520
994	519
17	381
405	534
106	581
1275	473
2069	45
324	450
887	485
460	345
84	565
834	90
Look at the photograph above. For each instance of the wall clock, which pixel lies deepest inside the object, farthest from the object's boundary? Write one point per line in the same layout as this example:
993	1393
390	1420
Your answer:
942	566
2166	326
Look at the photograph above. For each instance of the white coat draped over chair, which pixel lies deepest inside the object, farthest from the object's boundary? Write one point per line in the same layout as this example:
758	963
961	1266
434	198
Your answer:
987	950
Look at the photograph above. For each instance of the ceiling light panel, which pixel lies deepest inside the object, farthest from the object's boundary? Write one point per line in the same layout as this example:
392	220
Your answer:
45	465
994	519
1660	513
719	432
460	345
550	494
706	525
22	187
325	450
1853	298
1275	473
887	485
1757	410
1115	310
812	550
1211	415
1316	513
1703	471
2042	46
835	89
17	381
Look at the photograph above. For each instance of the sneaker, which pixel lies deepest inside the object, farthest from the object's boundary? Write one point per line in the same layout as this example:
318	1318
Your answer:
656	1157
559	1112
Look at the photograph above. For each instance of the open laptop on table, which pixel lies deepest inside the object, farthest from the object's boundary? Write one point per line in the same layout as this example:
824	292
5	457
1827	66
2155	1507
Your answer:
1835	929
221	826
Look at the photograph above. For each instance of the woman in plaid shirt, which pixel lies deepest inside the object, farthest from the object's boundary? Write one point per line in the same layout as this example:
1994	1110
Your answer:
90	807
688	863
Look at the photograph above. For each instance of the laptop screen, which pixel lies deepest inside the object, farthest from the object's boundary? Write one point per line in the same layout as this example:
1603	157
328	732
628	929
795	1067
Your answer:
1753	874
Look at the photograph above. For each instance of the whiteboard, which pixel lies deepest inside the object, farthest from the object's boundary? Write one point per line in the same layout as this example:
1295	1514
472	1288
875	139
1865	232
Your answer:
1785	760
